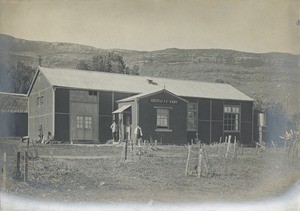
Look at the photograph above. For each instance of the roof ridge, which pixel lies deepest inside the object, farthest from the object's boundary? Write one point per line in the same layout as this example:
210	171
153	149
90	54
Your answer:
13	94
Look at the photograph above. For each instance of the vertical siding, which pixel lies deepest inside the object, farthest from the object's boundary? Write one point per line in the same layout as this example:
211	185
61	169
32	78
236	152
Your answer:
210	115
177	119
40	114
13	124
118	96
62	114
247	123
83	104
204	120
107	104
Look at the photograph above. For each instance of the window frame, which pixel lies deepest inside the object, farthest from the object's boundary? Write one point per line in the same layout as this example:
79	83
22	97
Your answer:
40	100
195	111
162	127
93	93
84	122
88	122
232	118
79	122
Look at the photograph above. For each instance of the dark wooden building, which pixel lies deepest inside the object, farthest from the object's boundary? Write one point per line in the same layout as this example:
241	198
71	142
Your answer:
13	114
80	105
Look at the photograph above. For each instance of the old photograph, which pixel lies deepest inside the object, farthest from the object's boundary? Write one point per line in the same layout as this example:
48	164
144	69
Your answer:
149	105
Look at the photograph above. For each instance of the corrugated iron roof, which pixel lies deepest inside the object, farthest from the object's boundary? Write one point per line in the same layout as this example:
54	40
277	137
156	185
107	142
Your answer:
145	94
13	102
93	80
121	109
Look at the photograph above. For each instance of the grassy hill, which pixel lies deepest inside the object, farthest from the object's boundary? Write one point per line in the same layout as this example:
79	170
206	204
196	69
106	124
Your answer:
266	75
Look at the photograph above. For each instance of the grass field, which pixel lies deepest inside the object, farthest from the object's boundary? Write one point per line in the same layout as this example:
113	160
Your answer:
100	173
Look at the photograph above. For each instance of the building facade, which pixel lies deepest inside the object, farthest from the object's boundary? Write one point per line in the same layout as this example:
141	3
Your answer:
75	105
13	114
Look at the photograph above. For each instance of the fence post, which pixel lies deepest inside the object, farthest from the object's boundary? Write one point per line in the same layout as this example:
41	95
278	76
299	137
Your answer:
25	166
126	143
27	144
4	170
200	162
234	147
18	169
187	161
228	146
242	148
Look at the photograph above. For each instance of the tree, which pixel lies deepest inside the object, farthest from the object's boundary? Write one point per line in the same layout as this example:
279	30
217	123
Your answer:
132	71
276	117
100	63
111	62
116	62
135	70
294	121
82	65
21	76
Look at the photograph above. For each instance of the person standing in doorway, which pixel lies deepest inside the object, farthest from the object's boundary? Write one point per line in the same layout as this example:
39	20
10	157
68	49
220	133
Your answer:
114	130
138	134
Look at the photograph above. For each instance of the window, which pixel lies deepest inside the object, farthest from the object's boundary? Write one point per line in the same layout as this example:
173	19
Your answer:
162	118
83	122
40	100
93	93
192	116
79	122
231	118
88	122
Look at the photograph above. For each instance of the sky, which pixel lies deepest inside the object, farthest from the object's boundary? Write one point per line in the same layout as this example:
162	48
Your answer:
245	25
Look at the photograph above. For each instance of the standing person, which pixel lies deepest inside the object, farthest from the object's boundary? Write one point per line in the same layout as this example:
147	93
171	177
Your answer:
114	130
138	134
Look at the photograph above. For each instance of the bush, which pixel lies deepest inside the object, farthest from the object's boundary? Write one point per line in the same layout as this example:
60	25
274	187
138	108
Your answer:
276	118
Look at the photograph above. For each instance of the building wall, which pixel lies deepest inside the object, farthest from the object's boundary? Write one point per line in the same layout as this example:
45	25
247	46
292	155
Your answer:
62	114
211	121
210	115
40	108
108	104
13	124
84	103
177	119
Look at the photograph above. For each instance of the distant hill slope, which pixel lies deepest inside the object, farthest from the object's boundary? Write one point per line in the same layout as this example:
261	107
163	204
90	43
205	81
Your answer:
265	75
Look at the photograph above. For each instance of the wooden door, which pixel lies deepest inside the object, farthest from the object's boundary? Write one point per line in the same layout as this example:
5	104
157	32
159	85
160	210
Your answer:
84	121
84	129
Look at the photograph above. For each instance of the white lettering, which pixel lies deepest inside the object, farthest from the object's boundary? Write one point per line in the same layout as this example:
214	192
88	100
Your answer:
163	101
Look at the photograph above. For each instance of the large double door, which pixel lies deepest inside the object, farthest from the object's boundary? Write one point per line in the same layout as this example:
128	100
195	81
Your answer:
84	121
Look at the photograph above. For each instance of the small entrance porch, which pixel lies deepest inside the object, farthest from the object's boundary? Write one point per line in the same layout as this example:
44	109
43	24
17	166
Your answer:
122	116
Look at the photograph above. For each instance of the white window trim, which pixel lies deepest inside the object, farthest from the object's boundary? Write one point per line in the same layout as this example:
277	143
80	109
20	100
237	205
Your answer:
158	128
195	110
239	118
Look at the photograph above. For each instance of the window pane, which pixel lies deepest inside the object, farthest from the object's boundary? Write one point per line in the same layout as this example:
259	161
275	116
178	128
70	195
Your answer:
192	116
231	118
162	117
88	122
79	122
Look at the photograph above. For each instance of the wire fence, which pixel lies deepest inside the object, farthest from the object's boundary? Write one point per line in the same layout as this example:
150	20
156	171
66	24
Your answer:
8	155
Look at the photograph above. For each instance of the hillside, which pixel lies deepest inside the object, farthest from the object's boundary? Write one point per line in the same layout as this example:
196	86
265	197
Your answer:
266	75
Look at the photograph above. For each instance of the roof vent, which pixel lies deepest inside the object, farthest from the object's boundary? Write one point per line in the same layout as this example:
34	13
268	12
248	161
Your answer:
150	81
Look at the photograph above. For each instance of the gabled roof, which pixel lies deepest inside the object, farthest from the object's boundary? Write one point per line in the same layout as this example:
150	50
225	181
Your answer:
121	109
13	102
92	80
142	95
